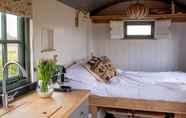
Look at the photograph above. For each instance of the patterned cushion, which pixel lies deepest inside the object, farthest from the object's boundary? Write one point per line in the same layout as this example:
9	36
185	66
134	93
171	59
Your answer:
93	62
108	75
111	70
107	62
102	67
100	70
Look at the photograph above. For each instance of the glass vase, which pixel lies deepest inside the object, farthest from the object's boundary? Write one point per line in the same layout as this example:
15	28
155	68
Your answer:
45	89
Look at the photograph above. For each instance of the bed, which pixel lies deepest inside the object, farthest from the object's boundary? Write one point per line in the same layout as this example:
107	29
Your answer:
145	91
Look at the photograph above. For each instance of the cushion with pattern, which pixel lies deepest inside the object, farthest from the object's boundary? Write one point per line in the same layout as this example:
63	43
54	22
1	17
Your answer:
102	67
94	61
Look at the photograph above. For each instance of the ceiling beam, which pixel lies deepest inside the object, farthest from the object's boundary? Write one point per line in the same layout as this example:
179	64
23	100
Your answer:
107	19
97	10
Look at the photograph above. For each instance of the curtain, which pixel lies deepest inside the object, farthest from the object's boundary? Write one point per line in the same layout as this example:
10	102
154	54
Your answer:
17	7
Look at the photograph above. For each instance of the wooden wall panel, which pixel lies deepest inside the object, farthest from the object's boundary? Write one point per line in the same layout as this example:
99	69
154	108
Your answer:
142	55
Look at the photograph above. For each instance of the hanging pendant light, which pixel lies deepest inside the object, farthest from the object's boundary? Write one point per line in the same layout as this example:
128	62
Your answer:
137	11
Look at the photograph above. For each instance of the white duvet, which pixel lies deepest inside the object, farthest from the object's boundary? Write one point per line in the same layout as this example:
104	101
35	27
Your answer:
165	86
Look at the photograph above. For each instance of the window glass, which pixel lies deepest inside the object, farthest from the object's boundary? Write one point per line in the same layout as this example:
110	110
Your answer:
13	55
139	30
0	28
11	27
1	63
12	50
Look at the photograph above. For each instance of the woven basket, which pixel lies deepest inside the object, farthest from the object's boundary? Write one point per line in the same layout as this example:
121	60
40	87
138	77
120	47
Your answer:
137	11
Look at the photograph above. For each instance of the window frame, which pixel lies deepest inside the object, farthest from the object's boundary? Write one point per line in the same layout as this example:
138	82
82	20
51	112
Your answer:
152	23
22	40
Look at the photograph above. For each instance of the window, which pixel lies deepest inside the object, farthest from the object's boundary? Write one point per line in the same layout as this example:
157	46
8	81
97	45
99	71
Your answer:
1	63
13	37
139	30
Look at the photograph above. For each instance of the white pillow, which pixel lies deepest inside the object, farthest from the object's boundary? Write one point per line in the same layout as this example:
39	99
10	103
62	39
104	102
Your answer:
78	73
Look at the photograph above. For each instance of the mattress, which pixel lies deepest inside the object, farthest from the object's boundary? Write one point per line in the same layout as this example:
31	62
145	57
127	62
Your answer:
164	86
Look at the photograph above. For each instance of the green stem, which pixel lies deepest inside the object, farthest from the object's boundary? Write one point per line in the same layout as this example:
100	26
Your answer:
44	86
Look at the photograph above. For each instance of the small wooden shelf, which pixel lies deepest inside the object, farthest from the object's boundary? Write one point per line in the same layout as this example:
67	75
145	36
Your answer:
174	17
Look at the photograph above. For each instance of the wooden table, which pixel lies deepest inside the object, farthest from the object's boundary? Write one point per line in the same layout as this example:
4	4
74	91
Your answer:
32	106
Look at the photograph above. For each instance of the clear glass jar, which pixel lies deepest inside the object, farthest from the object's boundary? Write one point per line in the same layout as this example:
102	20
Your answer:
45	89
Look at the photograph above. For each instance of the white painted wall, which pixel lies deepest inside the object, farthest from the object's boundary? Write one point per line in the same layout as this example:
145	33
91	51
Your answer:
69	41
142	55
72	43
178	33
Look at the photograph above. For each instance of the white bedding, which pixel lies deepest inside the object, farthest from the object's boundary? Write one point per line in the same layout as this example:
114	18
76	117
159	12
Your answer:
165	86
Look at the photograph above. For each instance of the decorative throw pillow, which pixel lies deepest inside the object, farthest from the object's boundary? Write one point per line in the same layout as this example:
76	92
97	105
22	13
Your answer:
109	64
102	67
91	65
111	70
100	70
93	62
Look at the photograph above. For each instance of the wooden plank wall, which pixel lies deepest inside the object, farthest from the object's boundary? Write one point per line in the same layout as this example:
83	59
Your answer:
142	55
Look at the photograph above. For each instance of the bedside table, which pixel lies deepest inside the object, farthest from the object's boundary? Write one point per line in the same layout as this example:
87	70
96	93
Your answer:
60	105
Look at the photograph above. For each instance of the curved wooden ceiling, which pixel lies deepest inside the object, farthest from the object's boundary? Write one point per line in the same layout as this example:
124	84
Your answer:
96	7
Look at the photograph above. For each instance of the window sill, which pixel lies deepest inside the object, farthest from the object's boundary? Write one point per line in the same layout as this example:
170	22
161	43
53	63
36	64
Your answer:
15	82
139	39
22	90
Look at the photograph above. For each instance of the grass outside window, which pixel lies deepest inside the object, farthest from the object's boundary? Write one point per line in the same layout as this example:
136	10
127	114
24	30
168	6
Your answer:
13	35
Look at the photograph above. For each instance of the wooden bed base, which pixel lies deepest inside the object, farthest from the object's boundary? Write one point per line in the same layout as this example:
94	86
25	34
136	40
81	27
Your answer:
97	102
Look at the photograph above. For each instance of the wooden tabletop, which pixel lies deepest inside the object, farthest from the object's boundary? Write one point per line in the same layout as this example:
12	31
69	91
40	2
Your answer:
32	106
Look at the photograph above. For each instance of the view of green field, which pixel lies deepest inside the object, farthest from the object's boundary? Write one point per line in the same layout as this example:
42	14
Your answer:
12	56
1	67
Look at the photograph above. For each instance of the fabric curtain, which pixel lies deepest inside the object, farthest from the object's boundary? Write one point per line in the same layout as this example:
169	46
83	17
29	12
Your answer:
17	7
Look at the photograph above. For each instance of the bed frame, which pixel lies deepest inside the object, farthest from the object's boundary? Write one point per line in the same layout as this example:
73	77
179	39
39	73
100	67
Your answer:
135	105
176	108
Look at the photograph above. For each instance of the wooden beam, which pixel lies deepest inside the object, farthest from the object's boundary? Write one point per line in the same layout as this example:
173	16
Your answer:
180	116
173	7
139	105
93	110
173	17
